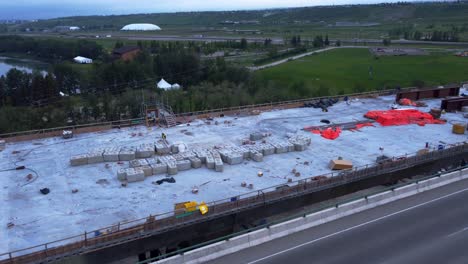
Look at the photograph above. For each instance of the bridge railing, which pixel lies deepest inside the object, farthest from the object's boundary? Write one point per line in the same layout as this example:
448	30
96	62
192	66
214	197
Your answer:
99	126
156	223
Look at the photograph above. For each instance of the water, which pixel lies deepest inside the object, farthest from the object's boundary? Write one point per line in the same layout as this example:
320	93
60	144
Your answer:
7	63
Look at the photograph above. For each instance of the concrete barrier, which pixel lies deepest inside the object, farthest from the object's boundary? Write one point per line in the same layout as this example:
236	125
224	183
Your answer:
263	235
407	190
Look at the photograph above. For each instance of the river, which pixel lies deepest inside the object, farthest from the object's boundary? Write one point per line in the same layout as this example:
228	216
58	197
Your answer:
8	63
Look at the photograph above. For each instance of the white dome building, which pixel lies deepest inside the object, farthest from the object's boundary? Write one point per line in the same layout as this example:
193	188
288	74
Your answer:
141	27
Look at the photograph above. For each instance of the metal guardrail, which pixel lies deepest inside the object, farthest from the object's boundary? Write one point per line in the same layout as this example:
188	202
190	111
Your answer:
294	216
141	120
153	224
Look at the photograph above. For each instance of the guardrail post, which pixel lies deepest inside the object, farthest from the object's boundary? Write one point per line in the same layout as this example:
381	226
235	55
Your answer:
45	250
86	239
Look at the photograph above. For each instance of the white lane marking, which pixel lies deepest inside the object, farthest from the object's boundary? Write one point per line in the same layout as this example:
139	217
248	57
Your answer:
357	226
458	232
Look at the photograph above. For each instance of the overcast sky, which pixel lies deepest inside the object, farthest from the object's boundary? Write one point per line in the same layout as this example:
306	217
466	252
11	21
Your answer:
30	9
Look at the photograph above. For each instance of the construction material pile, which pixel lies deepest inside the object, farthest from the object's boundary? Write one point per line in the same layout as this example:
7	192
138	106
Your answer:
401	117
170	159
322	103
408	102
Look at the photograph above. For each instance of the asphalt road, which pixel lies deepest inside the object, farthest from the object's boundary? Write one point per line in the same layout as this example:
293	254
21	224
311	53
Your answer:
430	227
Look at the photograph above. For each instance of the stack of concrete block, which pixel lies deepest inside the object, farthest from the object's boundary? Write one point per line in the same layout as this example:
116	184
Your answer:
256	136
127	153
162	148
219	165
159	168
195	162
267	149
111	154
96	156
245	151
138	163
201	154
145	151
79	160
300	142
183	165
135	175
280	147
2	144
167	159
172	168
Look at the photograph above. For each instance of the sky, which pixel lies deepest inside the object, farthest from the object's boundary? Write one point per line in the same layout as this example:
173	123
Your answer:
40	9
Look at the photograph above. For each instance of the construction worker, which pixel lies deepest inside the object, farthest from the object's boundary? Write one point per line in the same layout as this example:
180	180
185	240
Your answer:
346	99
163	136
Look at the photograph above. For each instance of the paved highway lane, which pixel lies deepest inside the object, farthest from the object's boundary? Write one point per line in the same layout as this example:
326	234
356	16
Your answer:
431	227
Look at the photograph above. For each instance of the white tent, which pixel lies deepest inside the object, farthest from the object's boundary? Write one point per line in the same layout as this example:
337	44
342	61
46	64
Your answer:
83	60
164	85
141	27
176	86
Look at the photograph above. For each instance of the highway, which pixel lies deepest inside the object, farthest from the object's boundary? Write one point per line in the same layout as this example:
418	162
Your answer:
430	227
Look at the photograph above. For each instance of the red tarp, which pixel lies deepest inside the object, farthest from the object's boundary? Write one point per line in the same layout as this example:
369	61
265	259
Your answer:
402	117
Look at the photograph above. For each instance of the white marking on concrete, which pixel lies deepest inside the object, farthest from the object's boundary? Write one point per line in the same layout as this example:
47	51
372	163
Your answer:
357	226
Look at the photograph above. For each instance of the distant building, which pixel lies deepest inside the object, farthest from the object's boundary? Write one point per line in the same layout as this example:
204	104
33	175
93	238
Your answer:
66	28
141	27
164	85
82	60
126	53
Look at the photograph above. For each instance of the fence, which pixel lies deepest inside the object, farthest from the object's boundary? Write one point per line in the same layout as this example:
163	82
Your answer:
183	117
154	224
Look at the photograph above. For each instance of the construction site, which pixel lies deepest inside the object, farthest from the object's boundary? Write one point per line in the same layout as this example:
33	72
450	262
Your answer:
64	186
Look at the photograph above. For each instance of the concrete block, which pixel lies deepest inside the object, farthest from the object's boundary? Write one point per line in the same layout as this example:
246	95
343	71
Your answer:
195	162
291	147
256	136
79	160
135	175
258	157
183	165
152	161
95	157
175	148
159	168
147	170
259	237
376	198
172	168
127	154
162	148
281	149
122	174
210	162
111	155
144	151
267	149
407	190
235	158
219	165
300	147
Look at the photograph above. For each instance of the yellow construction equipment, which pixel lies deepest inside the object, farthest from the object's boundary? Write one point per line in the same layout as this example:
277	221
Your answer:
188	207
203	208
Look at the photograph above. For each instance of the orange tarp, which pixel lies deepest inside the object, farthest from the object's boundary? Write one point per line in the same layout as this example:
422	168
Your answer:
402	117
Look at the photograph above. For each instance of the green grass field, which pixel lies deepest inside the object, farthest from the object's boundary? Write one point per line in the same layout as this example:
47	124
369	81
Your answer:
347	70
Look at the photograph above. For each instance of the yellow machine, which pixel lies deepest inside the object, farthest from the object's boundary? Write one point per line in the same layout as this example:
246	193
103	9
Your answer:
192	207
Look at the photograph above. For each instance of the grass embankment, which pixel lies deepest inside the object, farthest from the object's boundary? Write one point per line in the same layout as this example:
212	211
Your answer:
347	71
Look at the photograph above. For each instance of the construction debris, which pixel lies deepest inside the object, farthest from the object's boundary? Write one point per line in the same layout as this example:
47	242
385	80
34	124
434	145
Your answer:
45	191
459	129
66	134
